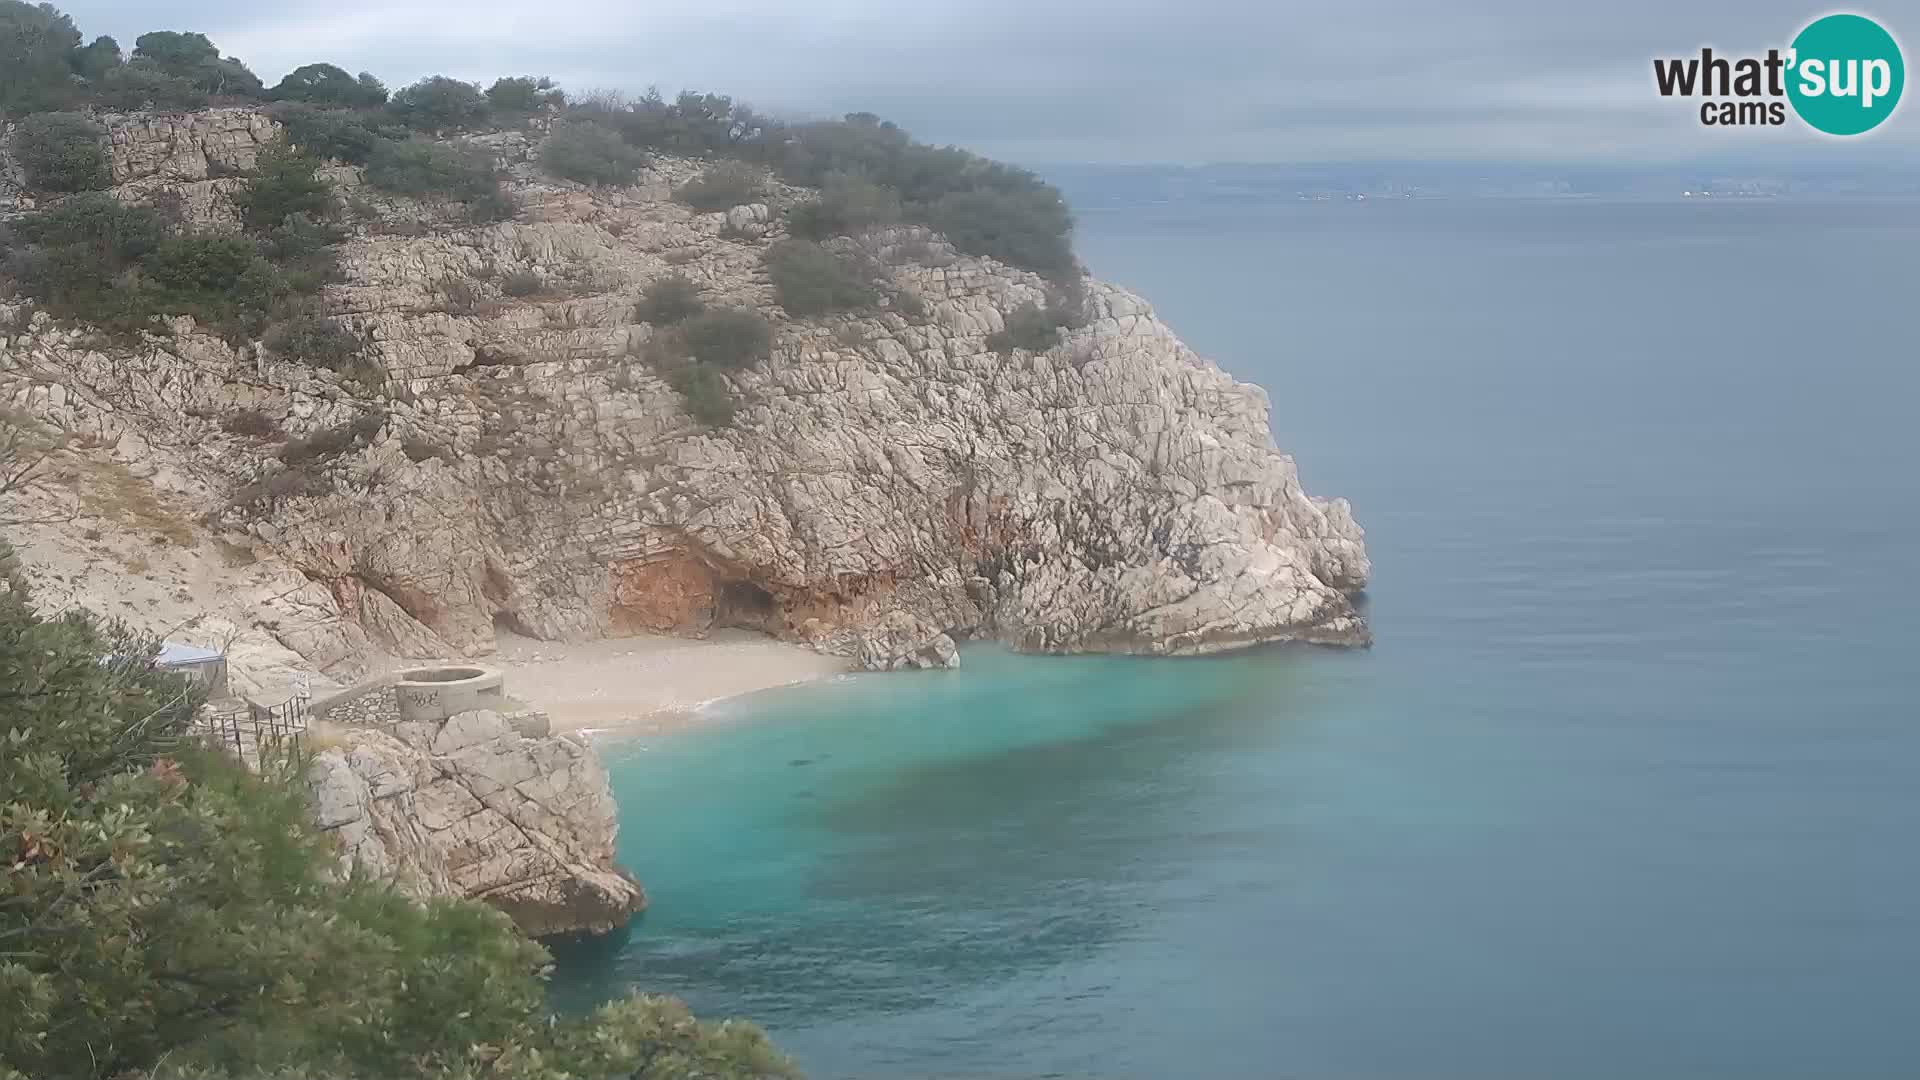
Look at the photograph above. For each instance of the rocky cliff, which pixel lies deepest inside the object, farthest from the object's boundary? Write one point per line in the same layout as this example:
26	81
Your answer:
890	481
470	807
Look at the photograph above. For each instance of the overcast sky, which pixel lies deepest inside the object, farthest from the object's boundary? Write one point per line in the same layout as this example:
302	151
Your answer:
1097	80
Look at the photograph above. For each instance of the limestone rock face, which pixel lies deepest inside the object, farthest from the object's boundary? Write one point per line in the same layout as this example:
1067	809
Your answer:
185	146
469	807
890	483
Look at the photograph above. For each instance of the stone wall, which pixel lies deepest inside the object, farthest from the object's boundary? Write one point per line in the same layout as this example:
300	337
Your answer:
375	708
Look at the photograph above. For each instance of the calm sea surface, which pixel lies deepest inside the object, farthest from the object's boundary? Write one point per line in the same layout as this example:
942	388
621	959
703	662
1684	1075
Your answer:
1629	787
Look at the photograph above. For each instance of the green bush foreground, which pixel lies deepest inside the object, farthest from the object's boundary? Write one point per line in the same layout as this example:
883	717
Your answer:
168	914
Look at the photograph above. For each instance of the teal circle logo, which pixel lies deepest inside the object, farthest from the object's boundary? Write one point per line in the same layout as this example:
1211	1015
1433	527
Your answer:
1846	74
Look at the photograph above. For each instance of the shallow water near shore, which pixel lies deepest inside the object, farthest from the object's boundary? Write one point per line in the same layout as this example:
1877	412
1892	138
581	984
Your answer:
1628	786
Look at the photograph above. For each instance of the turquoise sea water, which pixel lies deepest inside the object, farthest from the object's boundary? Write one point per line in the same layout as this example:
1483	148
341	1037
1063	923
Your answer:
1629	786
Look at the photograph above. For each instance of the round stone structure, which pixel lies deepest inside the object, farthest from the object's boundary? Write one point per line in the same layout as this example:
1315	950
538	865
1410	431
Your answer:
432	694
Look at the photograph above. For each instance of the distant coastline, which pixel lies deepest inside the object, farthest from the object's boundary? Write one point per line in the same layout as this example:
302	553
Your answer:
1094	187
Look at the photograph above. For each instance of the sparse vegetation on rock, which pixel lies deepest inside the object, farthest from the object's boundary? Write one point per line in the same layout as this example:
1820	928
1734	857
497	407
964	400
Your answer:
669	300
222	280
304	332
426	169
811	280
61	152
728	338
522	283
284	183
1029	327
252	423
591	154
333	441
722	187
708	395
848	205
337	134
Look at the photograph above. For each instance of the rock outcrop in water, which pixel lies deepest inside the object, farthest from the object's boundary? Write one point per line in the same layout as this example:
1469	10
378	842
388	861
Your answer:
890	481
469	807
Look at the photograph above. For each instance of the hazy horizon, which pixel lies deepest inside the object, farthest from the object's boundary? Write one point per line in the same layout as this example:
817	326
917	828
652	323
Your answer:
1121	82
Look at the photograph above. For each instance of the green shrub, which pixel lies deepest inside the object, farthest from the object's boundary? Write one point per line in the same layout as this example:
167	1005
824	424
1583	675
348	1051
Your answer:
333	441
1029	327
984	207
37	44
422	168
439	103
522	283
1030	228
729	338
286	484
94	260
1067	299
80	259
669	300
590	154
303	331
708	395
692	125
522	95
325	84
142	85
810	280
171	913
490	206
195	263
303	250
418	450
99	57
194	59
222	281
336	134
848	206
285	183
722	187
909	304
62	152
457	297
252	423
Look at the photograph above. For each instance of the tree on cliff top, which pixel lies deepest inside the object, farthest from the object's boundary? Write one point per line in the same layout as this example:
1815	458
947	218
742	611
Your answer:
36	44
520	95
439	103
325	84
168	913
194	58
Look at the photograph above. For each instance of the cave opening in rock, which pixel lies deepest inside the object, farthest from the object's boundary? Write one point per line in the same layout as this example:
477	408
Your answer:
746	605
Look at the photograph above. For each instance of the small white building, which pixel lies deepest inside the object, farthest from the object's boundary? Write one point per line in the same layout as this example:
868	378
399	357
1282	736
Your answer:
206	667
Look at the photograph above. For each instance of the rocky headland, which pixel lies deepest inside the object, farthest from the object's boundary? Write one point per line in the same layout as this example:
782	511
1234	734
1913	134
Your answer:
509	454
